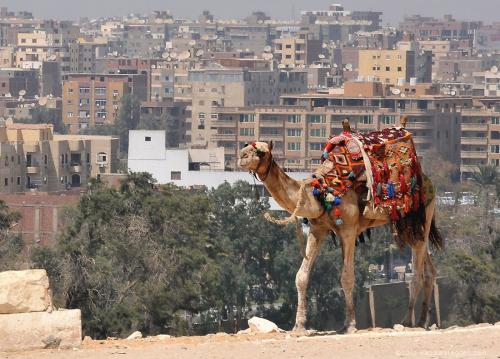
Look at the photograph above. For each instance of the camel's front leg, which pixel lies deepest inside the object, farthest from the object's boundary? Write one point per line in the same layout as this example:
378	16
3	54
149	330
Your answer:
314	241
348	279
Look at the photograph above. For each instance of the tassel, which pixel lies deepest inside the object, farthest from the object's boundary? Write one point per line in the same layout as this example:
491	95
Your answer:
337	201
413	184
337	212
339	222
402	183
376	174
394	212
352	176
390	190
387	174
379	189
416	201
407	202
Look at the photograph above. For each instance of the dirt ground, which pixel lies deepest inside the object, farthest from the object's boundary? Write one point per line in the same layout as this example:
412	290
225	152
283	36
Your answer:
480	341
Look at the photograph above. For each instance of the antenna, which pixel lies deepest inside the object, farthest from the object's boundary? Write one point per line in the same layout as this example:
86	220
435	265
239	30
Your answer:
321	56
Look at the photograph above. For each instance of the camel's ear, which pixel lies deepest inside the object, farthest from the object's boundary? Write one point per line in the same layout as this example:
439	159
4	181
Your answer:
270	145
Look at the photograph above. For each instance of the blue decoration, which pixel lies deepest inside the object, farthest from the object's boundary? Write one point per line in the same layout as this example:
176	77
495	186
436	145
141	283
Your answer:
339	222
329	190
379	189
390	190
352	176
316	192
337	201
325	155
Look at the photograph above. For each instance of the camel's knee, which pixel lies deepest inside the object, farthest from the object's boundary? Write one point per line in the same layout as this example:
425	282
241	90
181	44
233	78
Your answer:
301	280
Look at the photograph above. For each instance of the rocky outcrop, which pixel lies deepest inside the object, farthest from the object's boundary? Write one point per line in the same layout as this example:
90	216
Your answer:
24	291
260	325
41	330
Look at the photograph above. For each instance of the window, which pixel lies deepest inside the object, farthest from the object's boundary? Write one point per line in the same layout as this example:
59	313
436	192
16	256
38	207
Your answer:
293	132
102	157
315	161
366	120
100	103
147	139
293	118
495	149
388	119
70	114
387	57
293	146
387	68
18	181
318	132
317	118
400	69
248	117
246	131
6	181
84	90
315	146
495	120
45	159
100	90
175	175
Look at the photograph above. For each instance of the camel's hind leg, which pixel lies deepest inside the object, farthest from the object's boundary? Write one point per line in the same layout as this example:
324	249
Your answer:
423	273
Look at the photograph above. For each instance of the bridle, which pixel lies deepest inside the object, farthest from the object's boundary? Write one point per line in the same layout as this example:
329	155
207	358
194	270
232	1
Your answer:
256	176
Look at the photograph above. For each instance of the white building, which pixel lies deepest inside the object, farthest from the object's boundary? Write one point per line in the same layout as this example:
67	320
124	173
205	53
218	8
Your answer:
185	167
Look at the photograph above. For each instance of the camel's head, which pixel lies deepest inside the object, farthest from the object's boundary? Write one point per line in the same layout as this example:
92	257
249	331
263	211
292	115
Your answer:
256	156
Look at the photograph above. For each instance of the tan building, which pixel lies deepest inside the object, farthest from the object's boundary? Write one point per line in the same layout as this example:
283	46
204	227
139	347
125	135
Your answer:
297	51
480	139
227	87
94	99
32	157
395	66
301	125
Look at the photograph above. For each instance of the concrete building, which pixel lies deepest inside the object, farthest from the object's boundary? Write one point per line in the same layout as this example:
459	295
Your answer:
300	126
487	83
219	86
14	80
429	28
94	99
34	158
395	66
297	51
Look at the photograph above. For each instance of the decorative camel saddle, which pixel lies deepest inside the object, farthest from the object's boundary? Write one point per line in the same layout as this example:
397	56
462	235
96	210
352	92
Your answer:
383	162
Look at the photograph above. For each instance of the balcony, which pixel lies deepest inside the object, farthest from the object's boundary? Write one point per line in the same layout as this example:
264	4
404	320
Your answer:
219	123
419	126
474	154
474	127
422	139
75	168
32	169
224	136
272	124
473	141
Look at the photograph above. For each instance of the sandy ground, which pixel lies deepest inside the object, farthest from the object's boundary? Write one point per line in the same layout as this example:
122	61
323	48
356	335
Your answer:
481	341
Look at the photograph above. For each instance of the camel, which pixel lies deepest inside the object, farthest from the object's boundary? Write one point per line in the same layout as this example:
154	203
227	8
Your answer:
296	197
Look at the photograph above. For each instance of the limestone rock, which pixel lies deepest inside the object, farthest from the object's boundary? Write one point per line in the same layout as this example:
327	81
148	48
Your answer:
135	335
41	330
260	325
163	336
24	291
399	328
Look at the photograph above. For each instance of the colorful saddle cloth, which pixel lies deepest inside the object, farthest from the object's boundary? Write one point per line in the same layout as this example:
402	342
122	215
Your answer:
386	161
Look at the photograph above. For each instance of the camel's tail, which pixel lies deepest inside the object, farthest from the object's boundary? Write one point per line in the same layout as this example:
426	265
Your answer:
435	236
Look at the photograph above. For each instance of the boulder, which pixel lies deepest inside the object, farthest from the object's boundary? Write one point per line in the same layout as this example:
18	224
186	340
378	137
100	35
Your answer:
24	291
135	335
42	330
260	325
399	328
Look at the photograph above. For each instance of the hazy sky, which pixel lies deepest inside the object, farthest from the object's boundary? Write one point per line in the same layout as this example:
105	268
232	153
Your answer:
394	10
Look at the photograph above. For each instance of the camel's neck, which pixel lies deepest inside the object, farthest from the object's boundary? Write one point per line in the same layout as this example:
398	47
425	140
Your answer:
284	189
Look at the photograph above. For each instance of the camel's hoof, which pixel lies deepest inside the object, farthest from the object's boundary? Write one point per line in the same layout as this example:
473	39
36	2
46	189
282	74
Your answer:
407	324
299	329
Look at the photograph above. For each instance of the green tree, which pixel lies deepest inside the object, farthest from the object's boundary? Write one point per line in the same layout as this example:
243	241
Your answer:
44	115
11	245
487	180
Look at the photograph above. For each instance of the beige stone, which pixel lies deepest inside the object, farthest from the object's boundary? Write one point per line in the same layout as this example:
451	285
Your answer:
24	291
42	330
261	325
135	335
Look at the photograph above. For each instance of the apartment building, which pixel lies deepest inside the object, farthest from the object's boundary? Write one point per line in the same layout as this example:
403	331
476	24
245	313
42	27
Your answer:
480	138
429	28
14	80
487	83
300	126
94	99
395	66
33	157
300	50
218	86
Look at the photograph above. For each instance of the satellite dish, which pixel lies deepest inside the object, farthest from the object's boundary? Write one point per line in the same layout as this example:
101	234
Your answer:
37	97
403	95
267	48
200	53
174	55
8	94
184	55
324	45
165	55
348	67
494	69
321	56
335	65
267	56
453	93
52	57
192	42
22	93
395	91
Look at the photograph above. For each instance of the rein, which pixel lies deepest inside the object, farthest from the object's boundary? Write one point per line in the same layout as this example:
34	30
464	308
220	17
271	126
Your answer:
256	176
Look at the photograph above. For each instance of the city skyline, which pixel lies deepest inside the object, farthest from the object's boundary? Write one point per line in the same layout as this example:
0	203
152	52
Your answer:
393	11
